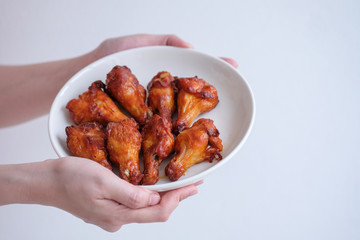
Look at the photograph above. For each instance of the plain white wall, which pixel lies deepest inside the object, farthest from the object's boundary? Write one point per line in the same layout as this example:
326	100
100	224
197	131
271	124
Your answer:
297	177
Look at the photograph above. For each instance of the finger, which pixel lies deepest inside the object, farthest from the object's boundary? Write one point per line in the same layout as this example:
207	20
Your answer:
161	212
230	61
199	183
130	195
173	40
156	40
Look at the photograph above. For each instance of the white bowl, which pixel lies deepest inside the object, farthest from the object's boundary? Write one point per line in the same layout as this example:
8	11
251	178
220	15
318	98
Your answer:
233	116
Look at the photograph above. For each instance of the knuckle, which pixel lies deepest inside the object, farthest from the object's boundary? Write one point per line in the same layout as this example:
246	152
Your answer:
111	228
135	199
88	221
164	216
100	182
172	35
111	224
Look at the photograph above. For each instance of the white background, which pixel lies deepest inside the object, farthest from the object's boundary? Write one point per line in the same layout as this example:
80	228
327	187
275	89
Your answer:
297	176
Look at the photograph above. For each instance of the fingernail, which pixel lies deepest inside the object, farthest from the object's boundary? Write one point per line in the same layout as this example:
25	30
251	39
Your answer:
154	199
189	45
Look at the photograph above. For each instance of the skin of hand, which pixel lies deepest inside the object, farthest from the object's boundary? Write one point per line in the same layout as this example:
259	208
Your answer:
27	91
93	193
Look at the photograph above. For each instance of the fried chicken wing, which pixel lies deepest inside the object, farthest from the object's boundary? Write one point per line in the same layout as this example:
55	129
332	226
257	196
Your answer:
123	145
161	99
157	144
87	140
125	88
94	105
195	96
199	143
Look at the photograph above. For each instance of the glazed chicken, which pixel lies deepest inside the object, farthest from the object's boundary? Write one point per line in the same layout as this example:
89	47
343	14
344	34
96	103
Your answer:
87	140
94	105
157	144
123	145
195	96
126	89
199	143
161	99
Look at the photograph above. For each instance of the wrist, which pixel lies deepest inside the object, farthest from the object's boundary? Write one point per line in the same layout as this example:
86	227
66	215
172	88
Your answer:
31	183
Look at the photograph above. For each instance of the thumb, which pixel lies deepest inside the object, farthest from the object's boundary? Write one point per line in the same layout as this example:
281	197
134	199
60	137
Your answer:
132	196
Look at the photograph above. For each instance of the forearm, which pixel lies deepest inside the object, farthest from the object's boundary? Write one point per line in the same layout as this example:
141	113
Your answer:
27	183
87	190
27	91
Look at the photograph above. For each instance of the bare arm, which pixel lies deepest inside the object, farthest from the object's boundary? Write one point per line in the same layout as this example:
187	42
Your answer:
27	91
94	194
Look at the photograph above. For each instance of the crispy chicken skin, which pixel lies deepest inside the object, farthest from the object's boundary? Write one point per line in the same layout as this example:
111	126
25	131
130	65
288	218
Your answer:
126	89
199	143
195	96
123	145
161	99
87	140
157	144
94	105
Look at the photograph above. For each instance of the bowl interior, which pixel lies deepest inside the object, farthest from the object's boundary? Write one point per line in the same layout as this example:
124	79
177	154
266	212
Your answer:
233	116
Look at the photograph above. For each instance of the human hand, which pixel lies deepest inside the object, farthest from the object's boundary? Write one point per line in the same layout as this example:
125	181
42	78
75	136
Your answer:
117	44
46	79
96	195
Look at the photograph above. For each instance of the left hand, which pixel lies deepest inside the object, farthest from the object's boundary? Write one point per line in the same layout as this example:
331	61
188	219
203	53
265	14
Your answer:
117	44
